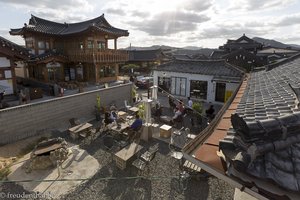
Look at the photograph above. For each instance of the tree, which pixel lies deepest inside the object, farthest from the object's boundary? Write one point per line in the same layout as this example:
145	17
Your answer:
130	67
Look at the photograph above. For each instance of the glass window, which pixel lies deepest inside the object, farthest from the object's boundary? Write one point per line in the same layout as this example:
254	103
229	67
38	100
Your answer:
90	44
47	45
198	89
41	44
100	45
178	86
80	45
107	71
164	83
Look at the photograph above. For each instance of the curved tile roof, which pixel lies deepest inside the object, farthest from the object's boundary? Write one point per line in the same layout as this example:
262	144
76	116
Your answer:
205	67
21	51
37	24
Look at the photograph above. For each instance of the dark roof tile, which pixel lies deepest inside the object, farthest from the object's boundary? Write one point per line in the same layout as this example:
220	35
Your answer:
37	24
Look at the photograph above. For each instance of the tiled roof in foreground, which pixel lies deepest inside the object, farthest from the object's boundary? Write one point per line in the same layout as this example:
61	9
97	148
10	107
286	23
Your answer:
259	151
40	25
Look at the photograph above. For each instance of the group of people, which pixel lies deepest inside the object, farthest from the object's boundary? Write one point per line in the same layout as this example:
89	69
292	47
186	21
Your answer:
132	130
180	109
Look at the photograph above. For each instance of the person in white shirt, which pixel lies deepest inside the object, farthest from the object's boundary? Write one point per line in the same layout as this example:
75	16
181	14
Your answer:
190	105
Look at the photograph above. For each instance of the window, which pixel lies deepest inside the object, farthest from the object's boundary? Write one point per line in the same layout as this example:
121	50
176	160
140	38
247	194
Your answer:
100	45
81	45
47	45
178	86
41	44
198	89
90	44
164	83
107	71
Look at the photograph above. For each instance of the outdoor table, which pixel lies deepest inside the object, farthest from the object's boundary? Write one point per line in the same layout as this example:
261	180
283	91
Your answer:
80	129
120	127
134	109
124	155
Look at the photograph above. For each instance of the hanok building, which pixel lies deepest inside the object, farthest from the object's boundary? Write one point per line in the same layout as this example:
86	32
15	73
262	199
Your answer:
146	59
208	80
10	53
72	51
253	142
276	54
241	52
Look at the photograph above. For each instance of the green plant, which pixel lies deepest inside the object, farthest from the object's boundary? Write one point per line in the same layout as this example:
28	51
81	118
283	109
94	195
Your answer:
4	173
141	111
98	103
197	107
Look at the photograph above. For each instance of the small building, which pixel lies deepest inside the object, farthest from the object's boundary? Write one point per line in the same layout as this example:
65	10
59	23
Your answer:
72	51
208	80
276	54
10	53
242	43
146	59
241	52
245	59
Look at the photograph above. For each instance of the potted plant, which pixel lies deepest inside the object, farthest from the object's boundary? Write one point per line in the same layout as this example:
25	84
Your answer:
98	108
197	107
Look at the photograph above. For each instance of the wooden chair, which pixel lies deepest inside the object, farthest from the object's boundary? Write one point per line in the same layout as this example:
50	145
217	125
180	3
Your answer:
74	122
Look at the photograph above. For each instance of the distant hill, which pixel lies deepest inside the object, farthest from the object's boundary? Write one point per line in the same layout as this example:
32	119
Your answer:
189	50
275	43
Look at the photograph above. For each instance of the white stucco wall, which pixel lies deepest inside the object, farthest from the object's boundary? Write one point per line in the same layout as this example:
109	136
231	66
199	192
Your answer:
4	62
211	85
7	85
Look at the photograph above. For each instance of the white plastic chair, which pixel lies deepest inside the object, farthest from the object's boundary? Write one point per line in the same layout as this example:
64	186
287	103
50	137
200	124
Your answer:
126	105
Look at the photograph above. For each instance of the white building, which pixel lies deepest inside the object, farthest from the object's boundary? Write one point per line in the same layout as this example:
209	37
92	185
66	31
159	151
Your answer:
9	54
207	80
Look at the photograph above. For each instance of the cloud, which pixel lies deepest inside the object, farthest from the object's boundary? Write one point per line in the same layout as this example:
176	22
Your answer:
136	13
197	5
254	5
170	23
66	10
288	20
16	39
231	31
116	11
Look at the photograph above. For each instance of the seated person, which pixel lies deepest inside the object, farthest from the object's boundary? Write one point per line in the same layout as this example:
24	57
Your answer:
180	107
210	112
157	110
134	127
107	118
177	116
113	113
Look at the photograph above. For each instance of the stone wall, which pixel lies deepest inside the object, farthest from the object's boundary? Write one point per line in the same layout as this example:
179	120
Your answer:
32	119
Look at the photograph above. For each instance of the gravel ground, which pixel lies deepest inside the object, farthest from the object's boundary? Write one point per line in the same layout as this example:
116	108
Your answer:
160	179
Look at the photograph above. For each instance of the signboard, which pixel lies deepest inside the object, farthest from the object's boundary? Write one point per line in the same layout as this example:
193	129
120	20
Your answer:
228	94
53	64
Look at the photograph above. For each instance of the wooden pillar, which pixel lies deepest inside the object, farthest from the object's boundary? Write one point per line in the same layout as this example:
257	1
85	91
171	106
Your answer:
117	70
106	43
97	69
13	75
45	73
115	43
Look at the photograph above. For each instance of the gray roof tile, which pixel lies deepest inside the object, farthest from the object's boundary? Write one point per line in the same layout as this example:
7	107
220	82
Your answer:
267	121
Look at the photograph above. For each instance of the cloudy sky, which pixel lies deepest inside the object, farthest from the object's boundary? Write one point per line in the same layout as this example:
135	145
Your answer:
202	23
